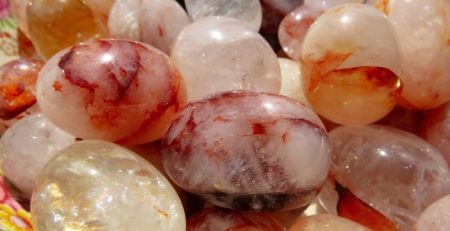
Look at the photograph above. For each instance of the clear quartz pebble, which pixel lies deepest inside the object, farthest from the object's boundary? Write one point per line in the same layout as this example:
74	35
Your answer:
27	146
395	172
96	185
216	54
436	217
248	151
425	50
247	11
350	65
115	90
155	22
325	222
291	84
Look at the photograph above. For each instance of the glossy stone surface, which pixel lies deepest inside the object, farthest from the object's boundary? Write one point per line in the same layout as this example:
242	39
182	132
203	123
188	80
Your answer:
57	24
325	222
248	151
17	86
436	129
216	219
19	10
155	22
114	90
295	25
246	11
425	50
436	217
100	9
350	62
291	84
94	185
217	54
27	146
395	172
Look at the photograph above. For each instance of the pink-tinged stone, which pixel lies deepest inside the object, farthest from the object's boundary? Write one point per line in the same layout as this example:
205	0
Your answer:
155	22
436	129
295	25
27	146
246	11
17	86
283	6
248	151
436	217
114	90
395	172
325	222
425	50
19	10
216	219
97	185
291	83
217	54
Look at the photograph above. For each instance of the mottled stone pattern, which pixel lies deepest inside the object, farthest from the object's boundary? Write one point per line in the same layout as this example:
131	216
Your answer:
395	172
249	151
216	219
96	185
325	222
115	90
17	86
247	11
27	146
155	22
217	54
436	217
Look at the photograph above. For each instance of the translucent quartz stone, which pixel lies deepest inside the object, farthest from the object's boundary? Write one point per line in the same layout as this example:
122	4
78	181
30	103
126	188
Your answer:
325	222
404	119
395	172
114	90
100	9
17	86
5	124
155	22
248	151
96	185
57	24
425	50
215	219
19	10
217	54
27	146
436	217
350	64
291	84
246	11
294	27
331	3
436	129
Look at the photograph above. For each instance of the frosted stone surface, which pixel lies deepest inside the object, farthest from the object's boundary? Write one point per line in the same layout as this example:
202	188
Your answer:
115	90
246	11
248	151
425	50
217	54
291	84
94	185
436	217
350	65
437	129
216	219
325	222
27	146
395	172
155	22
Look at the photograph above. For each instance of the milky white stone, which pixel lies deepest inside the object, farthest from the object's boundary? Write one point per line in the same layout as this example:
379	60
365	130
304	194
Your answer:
247	11
291	84
155	22
395	172
424	44
325	222
437	129
436	217
217	54
332	3
95	185
27	146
